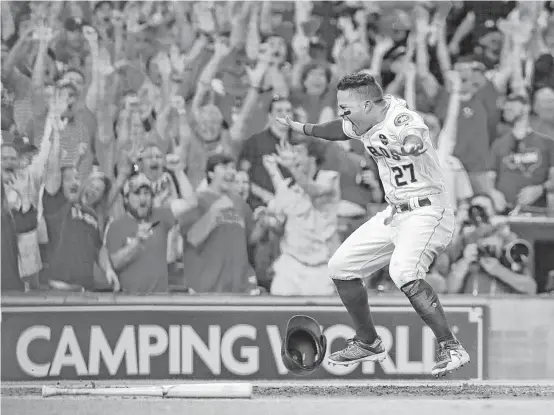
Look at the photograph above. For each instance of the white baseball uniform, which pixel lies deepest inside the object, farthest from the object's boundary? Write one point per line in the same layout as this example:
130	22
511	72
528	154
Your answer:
413	237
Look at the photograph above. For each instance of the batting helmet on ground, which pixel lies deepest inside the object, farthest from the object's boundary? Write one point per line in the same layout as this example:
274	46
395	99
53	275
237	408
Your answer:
304	346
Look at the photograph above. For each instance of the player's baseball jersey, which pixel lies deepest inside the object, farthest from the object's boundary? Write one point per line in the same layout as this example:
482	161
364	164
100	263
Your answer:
403	177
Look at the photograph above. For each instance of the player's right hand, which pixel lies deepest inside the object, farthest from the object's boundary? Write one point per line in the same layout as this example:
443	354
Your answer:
295	126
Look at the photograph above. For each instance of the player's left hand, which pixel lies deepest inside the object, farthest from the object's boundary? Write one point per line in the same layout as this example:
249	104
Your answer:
295	126
413	147
528	195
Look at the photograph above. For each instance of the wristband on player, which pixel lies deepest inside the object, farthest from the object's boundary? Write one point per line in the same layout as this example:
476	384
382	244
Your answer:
308	129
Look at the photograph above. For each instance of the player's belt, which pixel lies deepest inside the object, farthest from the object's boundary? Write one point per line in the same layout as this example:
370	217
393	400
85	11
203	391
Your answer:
407	206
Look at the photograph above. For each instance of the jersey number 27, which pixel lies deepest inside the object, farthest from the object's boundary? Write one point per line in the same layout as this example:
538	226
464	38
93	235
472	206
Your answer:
403	174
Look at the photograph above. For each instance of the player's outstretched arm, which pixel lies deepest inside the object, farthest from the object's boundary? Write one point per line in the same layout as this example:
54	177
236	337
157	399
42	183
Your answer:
330	131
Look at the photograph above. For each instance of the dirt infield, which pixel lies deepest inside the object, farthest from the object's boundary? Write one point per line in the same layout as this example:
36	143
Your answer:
454	391
309	398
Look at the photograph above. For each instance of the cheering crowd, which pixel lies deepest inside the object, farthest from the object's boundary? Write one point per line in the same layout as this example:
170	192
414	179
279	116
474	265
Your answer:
141	151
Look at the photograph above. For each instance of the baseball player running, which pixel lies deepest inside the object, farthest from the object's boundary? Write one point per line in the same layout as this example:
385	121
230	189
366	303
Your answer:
415	227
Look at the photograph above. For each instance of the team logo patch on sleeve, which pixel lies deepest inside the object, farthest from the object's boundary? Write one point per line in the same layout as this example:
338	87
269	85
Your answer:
402	119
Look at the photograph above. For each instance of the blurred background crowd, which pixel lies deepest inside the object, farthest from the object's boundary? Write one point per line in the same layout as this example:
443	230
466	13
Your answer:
141	151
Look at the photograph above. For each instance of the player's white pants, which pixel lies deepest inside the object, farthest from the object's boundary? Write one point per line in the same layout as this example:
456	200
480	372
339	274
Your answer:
410	243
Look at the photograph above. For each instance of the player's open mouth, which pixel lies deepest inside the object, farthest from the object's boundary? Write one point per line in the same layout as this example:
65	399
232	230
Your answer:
354	125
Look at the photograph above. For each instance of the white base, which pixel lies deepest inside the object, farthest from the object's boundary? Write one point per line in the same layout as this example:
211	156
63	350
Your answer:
190	390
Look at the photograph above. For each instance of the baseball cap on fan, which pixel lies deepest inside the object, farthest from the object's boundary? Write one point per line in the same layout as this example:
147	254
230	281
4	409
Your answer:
136	182
217	159
74	24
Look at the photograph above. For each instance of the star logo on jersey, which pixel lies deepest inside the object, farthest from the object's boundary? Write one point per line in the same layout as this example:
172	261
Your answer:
526	162
402	119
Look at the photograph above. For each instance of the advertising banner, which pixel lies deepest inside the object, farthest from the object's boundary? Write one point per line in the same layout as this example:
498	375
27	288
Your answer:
216	342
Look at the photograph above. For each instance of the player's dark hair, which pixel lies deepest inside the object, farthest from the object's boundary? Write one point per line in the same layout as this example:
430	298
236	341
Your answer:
363	84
